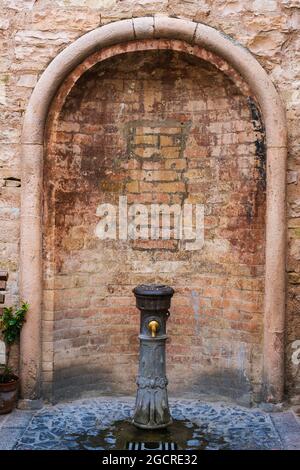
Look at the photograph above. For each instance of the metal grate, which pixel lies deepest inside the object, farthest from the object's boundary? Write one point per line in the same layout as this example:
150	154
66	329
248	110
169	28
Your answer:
151	445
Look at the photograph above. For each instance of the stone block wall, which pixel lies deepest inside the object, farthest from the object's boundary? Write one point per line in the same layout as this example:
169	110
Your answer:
32	32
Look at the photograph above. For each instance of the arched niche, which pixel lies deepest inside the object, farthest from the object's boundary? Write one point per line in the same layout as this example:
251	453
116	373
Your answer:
113	37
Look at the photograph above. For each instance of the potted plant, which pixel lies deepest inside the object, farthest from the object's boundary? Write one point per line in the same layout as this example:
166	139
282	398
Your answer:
11	322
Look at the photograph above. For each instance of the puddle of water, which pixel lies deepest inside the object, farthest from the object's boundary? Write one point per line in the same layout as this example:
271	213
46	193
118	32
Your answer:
185	434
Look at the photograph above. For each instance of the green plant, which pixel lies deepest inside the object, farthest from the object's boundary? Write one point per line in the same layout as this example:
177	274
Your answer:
11	323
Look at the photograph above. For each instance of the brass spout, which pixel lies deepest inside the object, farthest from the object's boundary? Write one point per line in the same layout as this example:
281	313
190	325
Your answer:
153	326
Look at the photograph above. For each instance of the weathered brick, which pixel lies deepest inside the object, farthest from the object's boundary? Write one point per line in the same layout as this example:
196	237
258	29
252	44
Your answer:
145	152
133	187
178	164
170	152
177	186
146	140
154	175
89	160
166	140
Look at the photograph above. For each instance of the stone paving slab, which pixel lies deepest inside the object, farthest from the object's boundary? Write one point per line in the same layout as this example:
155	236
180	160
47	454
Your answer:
12	427
288	428
228	426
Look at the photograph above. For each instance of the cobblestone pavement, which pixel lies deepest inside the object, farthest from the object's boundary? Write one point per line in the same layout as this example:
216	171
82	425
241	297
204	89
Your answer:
223	426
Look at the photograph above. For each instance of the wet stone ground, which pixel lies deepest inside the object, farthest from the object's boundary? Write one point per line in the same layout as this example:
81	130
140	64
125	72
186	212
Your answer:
98	424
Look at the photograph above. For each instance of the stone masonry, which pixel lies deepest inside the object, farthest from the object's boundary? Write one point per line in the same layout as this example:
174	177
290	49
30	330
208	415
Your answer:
157	127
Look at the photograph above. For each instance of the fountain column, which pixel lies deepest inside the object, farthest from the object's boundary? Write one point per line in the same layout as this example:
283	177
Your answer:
152	407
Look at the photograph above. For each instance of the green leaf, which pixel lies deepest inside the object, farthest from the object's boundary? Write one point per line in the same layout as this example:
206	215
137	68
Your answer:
11	322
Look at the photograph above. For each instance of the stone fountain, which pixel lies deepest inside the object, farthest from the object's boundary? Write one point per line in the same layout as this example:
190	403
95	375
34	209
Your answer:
152	407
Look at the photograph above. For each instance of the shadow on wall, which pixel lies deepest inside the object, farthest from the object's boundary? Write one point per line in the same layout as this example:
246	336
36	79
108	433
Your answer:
90	380
222	385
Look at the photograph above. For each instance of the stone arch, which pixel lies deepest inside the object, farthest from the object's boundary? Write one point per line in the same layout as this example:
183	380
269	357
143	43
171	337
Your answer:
194	34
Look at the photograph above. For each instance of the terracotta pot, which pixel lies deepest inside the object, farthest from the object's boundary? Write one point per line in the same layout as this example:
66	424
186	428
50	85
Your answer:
9	395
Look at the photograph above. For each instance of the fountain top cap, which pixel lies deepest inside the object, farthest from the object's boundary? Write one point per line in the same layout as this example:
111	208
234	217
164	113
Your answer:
153	290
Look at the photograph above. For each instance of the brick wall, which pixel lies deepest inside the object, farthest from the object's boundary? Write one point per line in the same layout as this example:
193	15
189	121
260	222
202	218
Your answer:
33	32
158	127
